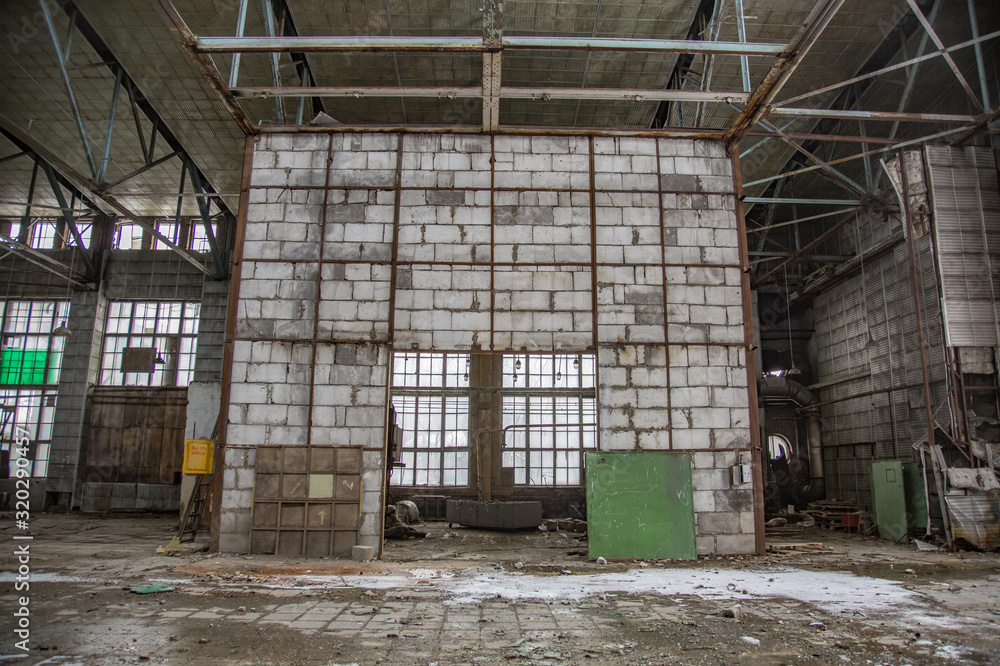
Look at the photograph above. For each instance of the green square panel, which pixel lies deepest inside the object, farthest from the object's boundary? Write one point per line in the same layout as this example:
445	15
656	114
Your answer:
639	504
23	366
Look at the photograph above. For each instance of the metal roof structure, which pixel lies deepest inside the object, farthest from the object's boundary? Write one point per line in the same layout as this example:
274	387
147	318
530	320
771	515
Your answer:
135	105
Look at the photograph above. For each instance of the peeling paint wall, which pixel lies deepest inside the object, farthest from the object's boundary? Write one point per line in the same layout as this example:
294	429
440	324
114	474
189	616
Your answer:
627	246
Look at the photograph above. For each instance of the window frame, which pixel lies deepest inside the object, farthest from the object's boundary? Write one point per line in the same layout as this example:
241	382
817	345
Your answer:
159	336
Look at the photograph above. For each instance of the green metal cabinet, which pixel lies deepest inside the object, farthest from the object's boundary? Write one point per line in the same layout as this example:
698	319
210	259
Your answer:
639	504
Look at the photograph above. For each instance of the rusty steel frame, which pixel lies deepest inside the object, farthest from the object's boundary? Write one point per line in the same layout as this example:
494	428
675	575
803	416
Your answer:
748	349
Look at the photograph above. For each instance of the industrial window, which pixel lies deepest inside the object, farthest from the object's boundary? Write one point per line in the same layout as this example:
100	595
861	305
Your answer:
169	231
128	237
431	400
149	343
549	417
200	241
28	414
43	235
30	363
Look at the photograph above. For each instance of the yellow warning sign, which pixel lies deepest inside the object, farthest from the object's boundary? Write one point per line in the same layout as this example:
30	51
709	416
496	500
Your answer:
198	456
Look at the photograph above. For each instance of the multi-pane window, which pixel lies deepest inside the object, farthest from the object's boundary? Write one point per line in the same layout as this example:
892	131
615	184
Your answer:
169	231
28	414
431	400
43	235
164	332
128	237
200	241
549	417
30	362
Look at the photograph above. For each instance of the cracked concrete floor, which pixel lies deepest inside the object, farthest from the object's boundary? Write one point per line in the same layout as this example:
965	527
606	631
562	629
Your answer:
465	596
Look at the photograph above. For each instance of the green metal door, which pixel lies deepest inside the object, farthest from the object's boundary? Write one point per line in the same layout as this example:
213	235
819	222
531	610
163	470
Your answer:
639	504
889	499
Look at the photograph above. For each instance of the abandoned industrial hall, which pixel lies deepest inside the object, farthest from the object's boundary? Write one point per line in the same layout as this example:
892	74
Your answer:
479	331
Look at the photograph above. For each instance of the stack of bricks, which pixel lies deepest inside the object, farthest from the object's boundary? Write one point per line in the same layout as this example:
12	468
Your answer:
451	242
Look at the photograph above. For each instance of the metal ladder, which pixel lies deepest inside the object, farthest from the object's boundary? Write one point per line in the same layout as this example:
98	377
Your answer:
188	529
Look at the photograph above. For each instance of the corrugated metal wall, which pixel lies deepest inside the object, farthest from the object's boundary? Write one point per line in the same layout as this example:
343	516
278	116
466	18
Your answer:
966	208
882	426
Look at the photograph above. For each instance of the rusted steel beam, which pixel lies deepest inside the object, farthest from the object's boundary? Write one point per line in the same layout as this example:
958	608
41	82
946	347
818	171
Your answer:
782	70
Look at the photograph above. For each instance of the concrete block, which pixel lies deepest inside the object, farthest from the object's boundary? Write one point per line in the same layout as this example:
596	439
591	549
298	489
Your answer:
716	523
362	553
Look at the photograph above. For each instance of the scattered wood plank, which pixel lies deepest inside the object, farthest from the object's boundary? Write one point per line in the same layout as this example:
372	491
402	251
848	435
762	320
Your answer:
808	547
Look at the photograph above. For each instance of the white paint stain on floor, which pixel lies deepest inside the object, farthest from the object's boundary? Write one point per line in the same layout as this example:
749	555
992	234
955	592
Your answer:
834	592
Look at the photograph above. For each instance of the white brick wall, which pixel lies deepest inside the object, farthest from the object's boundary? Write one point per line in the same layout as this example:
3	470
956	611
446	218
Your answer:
510	268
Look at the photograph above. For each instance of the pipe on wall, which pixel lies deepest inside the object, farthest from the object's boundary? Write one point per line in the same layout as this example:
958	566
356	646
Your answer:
783	388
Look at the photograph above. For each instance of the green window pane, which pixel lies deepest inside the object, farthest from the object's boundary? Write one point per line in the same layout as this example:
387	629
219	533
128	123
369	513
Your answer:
20	366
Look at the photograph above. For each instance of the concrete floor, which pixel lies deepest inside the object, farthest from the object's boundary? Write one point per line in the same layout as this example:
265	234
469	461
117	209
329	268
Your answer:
465	596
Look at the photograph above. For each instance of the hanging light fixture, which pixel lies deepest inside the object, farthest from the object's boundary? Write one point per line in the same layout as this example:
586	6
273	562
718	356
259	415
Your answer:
791	355
62	330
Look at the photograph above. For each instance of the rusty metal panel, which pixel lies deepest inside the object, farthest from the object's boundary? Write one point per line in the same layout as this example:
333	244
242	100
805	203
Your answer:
975	518
138	359
967	239
307	501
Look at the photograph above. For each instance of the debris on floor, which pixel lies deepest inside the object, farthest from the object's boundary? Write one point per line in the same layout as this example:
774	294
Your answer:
809	547
150	588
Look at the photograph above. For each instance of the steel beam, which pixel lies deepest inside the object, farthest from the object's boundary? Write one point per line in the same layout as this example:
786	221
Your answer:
626	94
89	191
275	65
951	62
808	218
741	31
12	157
26	220
876	151
67	214
206	219
377	43
980	67
144	169
911	78
782	70
69	86
840	177
241	22
834	138
810	202
872	115
103	169
204	64
43	261
890	68
492	63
